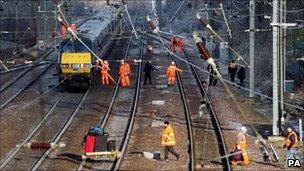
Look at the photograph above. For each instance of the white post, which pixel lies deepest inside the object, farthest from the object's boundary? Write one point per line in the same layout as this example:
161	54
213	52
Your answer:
275	93
251	45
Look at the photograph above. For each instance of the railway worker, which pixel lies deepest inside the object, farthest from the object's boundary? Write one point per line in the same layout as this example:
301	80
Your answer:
168	140
97	66
124	71
171	73
232	69
127	69
148	70
105	73
174	43
177	43
241	144
292	144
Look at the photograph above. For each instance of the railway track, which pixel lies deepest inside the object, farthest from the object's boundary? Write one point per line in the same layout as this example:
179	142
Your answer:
18	86
215	121
6	83
119	118
49	129
93	110
7	76
181	87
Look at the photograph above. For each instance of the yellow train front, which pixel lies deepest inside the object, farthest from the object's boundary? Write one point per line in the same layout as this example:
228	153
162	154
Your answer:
97	33
75	62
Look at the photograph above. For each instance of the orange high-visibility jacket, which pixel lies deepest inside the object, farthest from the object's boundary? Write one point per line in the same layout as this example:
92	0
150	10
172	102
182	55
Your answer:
168	136
124	69
104	68
171	70
288	141
241	141
127	68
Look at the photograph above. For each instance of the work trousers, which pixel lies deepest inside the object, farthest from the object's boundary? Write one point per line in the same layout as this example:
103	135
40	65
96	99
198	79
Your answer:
245	158
124	81
104	79
232	77
292	154
148	76
212	80
171	80
171	150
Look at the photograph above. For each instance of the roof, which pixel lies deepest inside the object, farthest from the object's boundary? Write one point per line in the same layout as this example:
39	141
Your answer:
98	23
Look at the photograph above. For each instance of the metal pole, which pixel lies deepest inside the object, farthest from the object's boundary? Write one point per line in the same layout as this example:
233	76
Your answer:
16	21
281	63
275	105
159	11
284	42
230	43
251	45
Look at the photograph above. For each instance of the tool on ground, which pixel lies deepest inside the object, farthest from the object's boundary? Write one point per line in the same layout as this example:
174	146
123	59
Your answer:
149	155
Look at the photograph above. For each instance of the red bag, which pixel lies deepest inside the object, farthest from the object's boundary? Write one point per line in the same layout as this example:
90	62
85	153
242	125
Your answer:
89	144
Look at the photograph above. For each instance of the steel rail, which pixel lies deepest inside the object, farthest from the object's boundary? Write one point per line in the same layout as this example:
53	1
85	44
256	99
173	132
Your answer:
28	69
12	154
191	150
61	132
188	120
25	87
105	118
215	120
117	162
12	69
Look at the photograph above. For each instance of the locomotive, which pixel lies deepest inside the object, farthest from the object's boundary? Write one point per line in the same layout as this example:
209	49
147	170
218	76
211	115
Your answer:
75	60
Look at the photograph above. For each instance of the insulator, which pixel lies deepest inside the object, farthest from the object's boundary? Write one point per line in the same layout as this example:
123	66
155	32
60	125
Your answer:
40	145
201	47
151	24
108	2
205	23
203	50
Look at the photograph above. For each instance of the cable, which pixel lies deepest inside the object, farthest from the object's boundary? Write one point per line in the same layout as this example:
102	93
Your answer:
231	83
244	9
293	11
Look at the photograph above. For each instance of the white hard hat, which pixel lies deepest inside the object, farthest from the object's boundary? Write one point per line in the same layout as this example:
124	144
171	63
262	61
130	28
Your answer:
122	61
243	129
173	63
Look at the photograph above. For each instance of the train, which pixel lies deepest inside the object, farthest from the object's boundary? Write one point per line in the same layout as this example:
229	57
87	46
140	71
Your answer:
75	60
